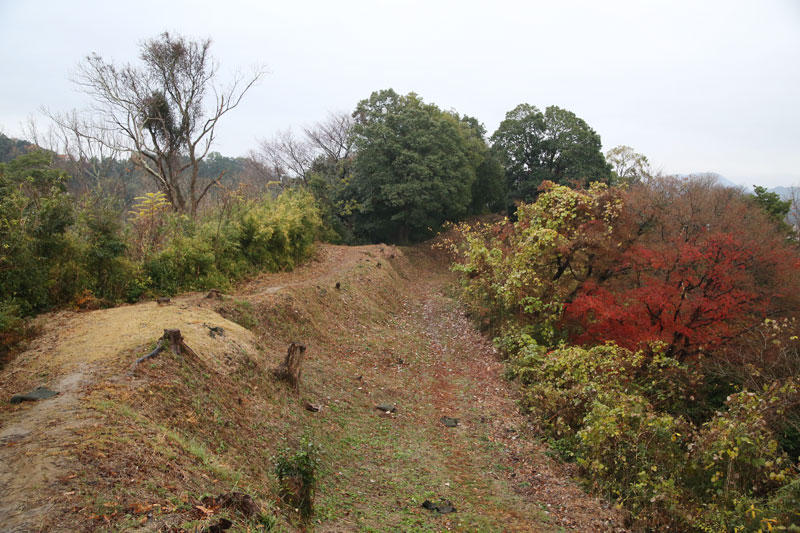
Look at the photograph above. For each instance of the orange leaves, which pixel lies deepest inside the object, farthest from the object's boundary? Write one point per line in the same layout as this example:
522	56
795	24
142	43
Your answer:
205	510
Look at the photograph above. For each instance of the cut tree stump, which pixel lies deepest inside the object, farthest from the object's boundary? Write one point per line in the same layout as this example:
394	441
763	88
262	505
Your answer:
171	339
290	369
214	294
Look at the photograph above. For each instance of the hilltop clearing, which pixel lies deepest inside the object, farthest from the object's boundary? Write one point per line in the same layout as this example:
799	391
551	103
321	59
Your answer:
124	448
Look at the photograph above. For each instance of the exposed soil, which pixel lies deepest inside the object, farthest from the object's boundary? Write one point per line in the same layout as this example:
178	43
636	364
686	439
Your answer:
123	448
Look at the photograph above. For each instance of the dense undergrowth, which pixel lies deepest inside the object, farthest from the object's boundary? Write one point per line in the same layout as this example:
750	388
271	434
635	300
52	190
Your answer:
58	253
653	332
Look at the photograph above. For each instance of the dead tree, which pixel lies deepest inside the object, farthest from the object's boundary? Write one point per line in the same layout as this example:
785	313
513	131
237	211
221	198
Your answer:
290	369
163	113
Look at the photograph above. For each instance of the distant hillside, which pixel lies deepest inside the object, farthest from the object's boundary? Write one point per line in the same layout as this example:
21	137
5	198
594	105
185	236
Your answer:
11	148
782	191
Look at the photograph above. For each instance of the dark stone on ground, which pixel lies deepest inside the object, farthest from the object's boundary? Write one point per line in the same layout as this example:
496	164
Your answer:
213	331
39	393
222	525
236	501
443	507
449	421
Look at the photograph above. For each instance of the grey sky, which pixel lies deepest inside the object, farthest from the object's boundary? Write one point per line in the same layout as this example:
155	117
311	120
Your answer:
696	86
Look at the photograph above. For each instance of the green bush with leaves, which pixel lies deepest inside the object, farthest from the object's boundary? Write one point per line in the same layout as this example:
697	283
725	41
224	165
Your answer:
279	234
625	418
268	234
521	273
634	454
297	472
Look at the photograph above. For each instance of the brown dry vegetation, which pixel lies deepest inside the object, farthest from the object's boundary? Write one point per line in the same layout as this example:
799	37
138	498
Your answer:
137	449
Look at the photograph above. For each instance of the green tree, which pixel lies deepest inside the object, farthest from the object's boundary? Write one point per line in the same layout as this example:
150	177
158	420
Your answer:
35	214
772	204
414	168
555	146
489	188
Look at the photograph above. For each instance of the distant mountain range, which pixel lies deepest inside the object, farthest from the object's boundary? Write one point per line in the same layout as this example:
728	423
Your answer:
782	191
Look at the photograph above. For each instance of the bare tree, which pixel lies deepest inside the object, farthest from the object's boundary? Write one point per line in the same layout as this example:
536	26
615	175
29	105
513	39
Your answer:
329	142
287	154
794	210
333	136
89	161
163	113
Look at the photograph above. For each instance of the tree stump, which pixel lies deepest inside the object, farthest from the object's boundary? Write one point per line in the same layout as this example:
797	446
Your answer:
290	369
214	294
171	339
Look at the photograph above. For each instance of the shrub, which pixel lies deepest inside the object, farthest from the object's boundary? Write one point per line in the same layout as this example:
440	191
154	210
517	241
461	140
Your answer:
279	234
622	416
12	328
738	451
112	273
297	477
266	234
636	455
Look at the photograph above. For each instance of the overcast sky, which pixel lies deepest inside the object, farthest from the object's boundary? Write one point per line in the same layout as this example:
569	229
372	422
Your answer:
696	86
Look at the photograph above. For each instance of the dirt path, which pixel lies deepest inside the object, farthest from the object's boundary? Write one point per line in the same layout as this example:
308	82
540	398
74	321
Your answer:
381	329
430	361
32	453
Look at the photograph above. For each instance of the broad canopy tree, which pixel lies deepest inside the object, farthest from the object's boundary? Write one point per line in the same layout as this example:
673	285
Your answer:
163	112
415	166
555	146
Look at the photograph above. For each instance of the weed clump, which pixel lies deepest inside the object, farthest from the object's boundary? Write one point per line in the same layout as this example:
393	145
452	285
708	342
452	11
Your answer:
297	477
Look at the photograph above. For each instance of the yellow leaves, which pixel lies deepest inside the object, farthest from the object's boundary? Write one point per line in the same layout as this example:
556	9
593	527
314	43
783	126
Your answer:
149	205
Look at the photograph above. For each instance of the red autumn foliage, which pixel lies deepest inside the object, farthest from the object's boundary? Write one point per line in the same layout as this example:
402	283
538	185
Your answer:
691	296
704	269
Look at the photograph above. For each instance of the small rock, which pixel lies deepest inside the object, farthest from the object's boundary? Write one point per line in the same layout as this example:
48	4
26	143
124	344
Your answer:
386	407
444	507
39	393
222	525
449	421
235	501
214	331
